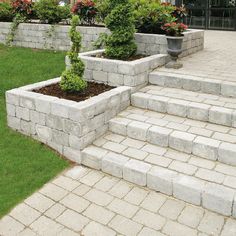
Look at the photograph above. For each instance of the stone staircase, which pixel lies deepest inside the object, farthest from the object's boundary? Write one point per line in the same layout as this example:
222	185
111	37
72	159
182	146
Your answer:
178	138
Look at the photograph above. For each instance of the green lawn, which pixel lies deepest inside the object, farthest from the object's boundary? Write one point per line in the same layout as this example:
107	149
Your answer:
25	165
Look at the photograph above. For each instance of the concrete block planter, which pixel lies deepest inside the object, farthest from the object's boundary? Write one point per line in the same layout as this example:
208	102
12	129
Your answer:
66	126
119	73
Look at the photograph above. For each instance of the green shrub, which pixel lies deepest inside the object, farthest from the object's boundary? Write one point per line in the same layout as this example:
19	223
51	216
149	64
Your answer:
49	11
71	82
120	44
72	79
103	10
6	13
150	15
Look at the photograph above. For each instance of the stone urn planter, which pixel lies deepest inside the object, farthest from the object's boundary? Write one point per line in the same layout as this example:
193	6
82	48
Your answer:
174	49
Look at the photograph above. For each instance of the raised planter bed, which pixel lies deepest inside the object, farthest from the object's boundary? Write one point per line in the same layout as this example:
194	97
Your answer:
119	73
38	36
66	126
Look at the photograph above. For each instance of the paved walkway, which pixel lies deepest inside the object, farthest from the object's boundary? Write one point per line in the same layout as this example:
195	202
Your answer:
82	201
216	61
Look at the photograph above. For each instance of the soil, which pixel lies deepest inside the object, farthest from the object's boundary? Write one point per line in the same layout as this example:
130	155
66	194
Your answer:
133	58
93	89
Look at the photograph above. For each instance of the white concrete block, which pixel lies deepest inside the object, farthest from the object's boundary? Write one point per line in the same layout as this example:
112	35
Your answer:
188	188
181	141
218	198
206	147
92	157
113	164
161	180
136	172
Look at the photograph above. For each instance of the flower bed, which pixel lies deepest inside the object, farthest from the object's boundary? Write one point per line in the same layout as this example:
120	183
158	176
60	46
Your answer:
64	125
117	72
40	36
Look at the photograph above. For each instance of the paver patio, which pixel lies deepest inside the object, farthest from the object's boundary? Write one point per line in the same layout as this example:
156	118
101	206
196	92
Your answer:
82	201
216	61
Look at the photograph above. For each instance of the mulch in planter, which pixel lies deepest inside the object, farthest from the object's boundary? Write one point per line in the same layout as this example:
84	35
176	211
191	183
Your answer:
133	58
93	89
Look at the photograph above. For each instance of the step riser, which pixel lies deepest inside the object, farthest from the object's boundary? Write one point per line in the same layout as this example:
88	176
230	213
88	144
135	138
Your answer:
195	84
190	189
192	110
188	143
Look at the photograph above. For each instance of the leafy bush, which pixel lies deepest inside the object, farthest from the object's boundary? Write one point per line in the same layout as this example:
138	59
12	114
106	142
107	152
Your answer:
23	7
86	10
150	15
71	79
6	11
120	44
49	11
103	10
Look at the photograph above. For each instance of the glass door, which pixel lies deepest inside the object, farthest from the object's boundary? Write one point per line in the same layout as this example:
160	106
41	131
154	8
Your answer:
210	14
196	13
222	14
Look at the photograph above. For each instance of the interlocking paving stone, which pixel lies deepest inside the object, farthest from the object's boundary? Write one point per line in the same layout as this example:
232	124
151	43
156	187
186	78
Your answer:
94	228
39	202
123	208
55	211
72	220
24	214
54	192
75	202
191	216
9	226
149	219
46	226
211	223
171	209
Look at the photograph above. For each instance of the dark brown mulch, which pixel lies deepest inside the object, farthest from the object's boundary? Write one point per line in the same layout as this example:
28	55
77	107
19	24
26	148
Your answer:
93	89
133	58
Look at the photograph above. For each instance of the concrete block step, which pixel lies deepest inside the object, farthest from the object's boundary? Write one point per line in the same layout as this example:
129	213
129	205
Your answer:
198	106
186	177
187	137
193	83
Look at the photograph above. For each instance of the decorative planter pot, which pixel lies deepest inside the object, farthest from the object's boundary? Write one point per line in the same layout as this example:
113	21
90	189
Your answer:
174	49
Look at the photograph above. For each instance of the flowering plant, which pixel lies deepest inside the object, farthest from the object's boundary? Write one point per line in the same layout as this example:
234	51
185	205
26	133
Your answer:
174	29
23	7
87	11
180	12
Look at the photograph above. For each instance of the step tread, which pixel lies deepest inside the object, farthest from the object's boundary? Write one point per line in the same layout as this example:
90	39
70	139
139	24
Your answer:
215	142
163	169
175	123
199	97
186	164
198	106
193	82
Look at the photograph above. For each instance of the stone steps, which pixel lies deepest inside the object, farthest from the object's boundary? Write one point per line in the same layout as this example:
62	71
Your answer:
180	134
193	83
194	105
186	177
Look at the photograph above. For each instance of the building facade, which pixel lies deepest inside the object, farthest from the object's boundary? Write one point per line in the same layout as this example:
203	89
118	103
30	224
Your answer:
210	14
